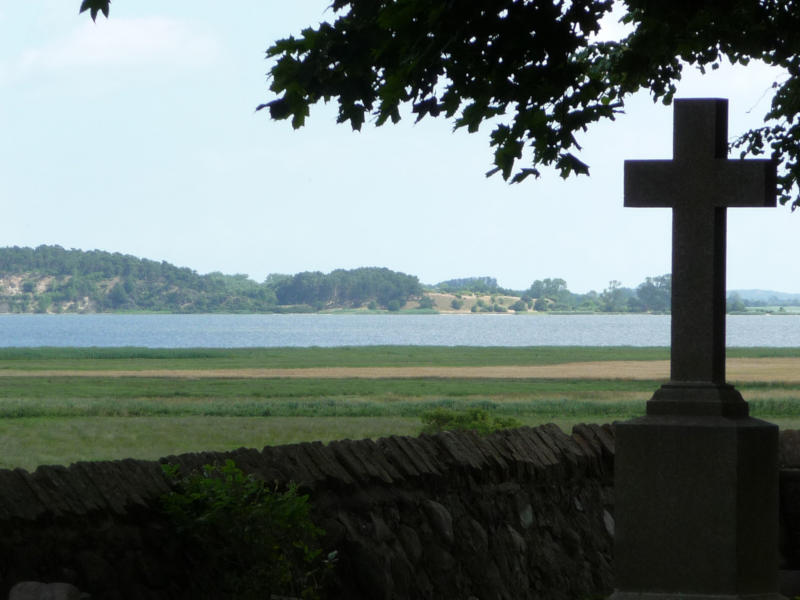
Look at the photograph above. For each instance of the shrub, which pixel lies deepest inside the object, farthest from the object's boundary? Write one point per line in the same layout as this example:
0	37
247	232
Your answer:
519	306
247	540
473	419
456	303
394	305
426	302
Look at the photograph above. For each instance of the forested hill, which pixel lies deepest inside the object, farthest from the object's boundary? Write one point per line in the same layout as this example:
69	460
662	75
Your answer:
52	279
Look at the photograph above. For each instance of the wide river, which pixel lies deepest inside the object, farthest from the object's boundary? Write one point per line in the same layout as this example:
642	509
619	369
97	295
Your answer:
237	331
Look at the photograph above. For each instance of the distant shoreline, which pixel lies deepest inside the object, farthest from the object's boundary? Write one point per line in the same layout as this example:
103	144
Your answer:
790	311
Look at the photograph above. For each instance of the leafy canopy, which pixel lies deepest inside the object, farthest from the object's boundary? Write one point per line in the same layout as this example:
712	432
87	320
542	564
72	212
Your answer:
534	71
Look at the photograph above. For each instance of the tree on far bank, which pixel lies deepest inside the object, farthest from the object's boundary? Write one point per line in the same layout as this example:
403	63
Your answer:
554	289
735	303
655	293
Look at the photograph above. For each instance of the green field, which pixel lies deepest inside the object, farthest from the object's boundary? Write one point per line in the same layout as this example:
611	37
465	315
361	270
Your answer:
351	356
47	419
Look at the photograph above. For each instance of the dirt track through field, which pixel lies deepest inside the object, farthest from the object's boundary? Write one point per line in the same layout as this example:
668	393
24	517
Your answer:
738	369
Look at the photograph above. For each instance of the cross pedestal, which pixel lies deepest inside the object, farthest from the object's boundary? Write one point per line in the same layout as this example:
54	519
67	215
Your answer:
696	479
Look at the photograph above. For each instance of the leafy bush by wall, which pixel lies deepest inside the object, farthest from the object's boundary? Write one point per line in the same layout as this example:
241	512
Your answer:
249	540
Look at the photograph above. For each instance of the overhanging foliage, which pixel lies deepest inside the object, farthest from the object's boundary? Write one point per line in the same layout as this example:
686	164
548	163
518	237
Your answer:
534	71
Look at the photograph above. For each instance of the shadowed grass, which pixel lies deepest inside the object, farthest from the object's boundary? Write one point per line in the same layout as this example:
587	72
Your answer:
311	407
28	443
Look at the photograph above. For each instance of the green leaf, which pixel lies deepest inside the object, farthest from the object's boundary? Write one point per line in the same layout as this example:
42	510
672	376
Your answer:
95	6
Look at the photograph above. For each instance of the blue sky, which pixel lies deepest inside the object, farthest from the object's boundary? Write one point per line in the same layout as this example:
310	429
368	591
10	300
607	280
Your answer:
138	135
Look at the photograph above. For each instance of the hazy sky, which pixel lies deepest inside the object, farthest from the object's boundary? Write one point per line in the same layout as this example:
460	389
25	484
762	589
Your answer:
138	135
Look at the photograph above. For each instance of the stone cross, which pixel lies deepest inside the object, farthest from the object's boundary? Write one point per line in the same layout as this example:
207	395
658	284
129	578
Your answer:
699	183
696	478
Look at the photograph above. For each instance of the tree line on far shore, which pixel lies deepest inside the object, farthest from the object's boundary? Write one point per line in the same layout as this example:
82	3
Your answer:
52	279
552	294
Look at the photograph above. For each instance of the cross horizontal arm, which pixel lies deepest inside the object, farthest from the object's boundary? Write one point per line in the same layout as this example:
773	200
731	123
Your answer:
714	183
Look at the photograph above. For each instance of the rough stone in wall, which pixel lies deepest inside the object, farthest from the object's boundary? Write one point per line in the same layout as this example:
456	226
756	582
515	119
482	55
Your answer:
34	590
522	513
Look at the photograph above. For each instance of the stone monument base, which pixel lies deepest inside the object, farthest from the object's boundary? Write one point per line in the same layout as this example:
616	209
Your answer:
696	503
677	596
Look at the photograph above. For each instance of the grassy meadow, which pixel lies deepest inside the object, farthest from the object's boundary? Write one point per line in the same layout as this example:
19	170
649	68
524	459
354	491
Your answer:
59	405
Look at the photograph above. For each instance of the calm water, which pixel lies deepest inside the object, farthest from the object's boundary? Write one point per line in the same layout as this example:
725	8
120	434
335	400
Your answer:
221	331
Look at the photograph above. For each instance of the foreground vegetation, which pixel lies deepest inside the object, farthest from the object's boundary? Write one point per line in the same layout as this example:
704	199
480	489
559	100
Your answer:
48	418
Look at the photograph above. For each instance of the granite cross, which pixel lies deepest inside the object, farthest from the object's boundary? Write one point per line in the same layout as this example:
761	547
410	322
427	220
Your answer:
695	479
699	183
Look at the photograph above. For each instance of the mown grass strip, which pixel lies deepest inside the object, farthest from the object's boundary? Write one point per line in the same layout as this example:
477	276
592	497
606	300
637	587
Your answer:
165	387
350	356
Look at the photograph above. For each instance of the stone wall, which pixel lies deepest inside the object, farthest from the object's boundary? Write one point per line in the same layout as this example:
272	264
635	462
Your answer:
518	514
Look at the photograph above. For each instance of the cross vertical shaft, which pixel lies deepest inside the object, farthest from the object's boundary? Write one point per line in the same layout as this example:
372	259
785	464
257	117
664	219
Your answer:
700	135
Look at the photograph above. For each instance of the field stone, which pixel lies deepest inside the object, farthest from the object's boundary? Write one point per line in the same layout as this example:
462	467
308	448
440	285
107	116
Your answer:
438	559
518	543
382	531
35	590
440	519
608	522
526	516
410	542
472	537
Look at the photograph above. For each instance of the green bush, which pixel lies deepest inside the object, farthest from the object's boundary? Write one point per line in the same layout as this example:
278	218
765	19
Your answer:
247	540
456	303
426	302
393	305
473	419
